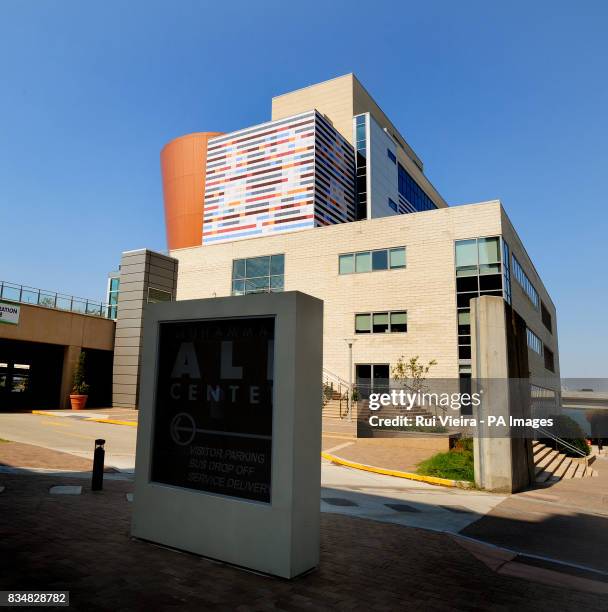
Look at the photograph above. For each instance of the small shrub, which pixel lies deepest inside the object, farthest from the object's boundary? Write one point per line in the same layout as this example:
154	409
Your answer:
455	465
80	387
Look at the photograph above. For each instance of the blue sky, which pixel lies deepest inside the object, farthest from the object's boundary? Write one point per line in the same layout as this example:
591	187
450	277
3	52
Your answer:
501	100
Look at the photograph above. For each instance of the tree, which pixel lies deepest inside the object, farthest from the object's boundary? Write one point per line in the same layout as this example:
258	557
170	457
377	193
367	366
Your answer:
412	373
79	386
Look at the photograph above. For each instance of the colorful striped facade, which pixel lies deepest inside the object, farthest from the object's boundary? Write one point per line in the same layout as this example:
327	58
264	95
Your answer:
286	175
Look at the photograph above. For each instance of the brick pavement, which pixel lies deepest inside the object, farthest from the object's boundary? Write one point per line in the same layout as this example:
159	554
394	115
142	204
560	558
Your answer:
16	454
82	543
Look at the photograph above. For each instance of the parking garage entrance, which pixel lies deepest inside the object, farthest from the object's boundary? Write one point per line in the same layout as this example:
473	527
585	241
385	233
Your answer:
30	375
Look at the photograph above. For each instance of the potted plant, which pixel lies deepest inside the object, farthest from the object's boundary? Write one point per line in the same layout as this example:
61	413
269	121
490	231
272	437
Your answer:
80	389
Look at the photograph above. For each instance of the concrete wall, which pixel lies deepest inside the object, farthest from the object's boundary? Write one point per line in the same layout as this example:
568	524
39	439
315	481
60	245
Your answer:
532	316
502	463
51	326
139	271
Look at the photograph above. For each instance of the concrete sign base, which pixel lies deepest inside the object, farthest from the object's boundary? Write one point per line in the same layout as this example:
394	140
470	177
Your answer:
229	439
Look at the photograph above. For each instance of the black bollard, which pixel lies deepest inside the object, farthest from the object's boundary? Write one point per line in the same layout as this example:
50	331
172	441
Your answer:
98	457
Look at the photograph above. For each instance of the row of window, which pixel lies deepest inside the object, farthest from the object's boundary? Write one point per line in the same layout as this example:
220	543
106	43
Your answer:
412	192
371	261
381	322
534	342
524	281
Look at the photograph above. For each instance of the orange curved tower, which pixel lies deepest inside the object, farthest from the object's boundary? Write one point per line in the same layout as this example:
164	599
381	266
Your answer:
183	163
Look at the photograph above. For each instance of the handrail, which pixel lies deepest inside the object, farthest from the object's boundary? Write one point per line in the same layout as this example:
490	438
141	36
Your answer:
563	442
23	294
331	376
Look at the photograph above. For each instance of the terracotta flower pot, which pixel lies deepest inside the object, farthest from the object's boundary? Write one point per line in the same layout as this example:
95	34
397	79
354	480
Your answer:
78	401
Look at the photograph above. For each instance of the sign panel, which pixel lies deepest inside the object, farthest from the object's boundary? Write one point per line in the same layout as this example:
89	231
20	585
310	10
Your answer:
9	313
214	405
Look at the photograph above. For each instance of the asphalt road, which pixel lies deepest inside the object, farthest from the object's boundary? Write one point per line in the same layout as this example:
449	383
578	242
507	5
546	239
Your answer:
72	435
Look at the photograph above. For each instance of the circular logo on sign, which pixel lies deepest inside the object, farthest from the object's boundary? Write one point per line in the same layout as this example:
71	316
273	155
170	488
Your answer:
183	429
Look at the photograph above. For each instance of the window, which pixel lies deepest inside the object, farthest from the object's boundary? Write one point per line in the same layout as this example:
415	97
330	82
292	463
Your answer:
361	166
546	317
113	291
371	261
549	359
522	278
412	193
392	205
258	274
363	262
380	260
397	258
391	156
480	270
506	269
158	295
534	342
363	323
381	322
347	264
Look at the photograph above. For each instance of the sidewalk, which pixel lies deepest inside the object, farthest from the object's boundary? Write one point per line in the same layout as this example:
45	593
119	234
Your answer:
81	543
567	520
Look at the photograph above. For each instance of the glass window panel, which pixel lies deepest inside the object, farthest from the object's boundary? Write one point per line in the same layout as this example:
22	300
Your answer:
380	322
397	257
156	296
238	287
363	262
277	264
379	260
466	271
489	250
466	253
19	384
276	283
3	380
398	322
360	133
347	264
464	352
464	317
257	285
466	283
114	283
238	268
490	281
257	266
463	299
489	269
363	323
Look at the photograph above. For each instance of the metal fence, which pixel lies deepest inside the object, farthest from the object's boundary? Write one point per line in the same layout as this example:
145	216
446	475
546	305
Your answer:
22	294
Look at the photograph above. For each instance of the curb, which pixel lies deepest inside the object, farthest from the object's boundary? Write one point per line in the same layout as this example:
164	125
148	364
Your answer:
86	418
113	422
434	480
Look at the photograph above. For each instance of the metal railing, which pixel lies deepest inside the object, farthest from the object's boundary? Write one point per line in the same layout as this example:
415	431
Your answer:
563	443
23	294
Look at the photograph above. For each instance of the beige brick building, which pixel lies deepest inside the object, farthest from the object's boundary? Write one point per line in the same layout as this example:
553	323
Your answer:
425	288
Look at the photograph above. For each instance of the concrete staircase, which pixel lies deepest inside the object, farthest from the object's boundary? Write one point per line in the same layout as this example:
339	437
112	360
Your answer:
551	465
